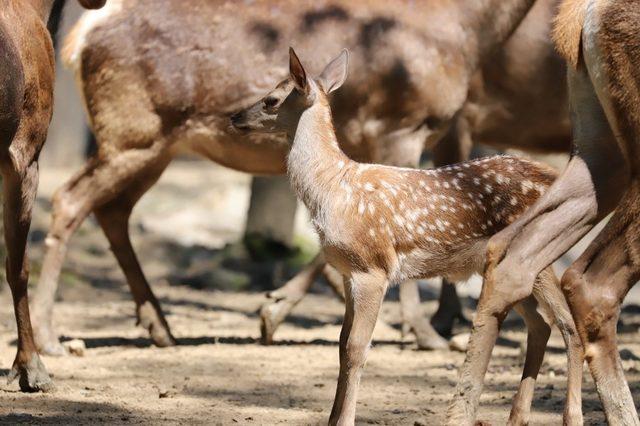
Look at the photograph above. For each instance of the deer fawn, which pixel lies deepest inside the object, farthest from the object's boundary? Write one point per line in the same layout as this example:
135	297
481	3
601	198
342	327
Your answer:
380	225
26	95
600	40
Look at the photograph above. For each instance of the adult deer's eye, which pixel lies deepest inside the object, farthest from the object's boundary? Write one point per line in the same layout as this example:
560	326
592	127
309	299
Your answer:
270	102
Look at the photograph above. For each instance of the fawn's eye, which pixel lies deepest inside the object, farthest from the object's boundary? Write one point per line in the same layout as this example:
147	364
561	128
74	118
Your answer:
270	102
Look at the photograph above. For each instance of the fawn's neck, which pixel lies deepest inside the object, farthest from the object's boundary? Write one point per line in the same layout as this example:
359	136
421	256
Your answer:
316	163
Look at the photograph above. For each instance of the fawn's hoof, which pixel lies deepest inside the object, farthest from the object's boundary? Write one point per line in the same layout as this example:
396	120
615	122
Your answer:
152	320
32	375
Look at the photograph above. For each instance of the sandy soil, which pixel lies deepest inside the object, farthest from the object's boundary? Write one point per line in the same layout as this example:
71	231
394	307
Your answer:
219	374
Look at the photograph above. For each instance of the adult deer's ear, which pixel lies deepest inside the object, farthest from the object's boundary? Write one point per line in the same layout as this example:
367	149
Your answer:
296	70
335	73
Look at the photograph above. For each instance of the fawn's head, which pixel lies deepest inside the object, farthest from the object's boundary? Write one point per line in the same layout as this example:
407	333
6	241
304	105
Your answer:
280	110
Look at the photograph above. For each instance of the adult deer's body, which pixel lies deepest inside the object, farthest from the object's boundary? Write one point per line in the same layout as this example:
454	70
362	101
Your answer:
26	95
600	40
380	225
160	77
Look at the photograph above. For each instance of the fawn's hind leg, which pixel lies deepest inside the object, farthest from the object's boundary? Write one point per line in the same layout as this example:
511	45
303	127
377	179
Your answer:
541	310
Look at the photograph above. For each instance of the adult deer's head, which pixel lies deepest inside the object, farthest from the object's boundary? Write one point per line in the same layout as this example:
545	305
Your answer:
280	110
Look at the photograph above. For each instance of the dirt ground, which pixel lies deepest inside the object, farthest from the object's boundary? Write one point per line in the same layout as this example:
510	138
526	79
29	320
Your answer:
219	373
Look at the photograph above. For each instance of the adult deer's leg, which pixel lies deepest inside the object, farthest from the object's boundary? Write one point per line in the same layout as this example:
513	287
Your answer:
454	148
599	280
20	188
449	309
114	220
595	286
283	300
67	215
404	148
102	179
364	295
413	318
517	254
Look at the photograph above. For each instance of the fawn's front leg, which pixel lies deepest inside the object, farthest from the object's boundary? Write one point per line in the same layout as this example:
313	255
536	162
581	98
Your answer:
364	293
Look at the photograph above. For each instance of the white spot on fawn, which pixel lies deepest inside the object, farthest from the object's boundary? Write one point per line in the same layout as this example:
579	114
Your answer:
527	185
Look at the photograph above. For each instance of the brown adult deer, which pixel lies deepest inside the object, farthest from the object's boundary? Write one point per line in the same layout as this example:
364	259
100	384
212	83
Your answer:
160	77
380	225
26	95
501	111
600	40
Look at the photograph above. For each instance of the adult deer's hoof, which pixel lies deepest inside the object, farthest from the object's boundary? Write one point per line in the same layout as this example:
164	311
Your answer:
269	321
426	336
32	375
272	314
47	341
152	320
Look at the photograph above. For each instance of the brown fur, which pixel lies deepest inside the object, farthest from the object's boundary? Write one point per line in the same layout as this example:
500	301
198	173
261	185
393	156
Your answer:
26	97
567	29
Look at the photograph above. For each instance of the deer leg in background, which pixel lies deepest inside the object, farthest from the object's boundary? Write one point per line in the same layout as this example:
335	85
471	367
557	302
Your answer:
272	211
114	220
455	147
19	191
449	309
335	280
413	319
403	149
284	299
96	184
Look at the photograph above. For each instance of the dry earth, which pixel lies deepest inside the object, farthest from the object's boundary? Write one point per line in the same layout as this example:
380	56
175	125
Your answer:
219	374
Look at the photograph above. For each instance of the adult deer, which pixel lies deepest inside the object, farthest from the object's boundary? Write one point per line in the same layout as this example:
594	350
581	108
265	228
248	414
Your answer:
160	77
380	225
26	94
601	43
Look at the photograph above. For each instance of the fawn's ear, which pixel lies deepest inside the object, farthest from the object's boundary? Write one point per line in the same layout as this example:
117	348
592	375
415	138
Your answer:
297	72
335	73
